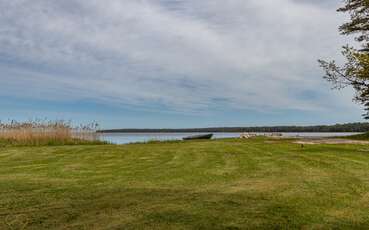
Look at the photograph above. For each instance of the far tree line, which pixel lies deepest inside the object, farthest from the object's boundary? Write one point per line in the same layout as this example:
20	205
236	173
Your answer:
350	127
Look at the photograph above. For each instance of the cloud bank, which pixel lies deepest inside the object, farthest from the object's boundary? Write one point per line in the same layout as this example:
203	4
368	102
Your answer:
181	55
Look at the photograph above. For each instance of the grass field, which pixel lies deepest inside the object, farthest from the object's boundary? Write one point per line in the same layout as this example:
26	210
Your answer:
364	136
223	184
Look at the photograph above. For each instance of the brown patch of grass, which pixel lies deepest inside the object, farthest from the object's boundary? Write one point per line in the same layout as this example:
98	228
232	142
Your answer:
331	141
256	185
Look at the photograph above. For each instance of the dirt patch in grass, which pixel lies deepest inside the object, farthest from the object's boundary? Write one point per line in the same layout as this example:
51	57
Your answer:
330	141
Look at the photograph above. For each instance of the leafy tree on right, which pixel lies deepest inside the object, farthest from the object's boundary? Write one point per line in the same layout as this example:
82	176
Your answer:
355	72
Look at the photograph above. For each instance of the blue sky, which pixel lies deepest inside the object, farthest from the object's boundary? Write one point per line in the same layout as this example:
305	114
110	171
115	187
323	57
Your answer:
171	63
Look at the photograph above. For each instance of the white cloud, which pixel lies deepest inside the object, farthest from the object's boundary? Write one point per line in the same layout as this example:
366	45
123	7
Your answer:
184	55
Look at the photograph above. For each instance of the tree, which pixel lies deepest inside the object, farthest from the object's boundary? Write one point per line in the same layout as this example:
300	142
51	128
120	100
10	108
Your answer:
355	72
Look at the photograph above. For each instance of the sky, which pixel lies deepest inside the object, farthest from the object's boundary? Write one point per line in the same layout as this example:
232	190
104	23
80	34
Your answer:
172	63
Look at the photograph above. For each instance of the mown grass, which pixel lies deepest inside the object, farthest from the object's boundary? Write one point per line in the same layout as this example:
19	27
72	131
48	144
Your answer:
222	184
360	137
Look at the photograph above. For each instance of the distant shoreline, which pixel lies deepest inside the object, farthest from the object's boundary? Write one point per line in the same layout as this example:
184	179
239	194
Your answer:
337	128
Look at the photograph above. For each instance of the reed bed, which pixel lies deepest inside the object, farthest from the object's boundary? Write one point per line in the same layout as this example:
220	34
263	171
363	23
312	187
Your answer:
44	132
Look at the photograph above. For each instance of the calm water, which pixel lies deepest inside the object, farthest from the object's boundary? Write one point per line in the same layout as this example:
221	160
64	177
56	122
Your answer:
125	138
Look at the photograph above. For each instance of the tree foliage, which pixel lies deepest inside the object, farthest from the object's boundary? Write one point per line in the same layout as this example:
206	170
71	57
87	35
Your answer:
355	72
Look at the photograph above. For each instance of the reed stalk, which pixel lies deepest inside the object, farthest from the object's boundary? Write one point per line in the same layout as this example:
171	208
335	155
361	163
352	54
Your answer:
45	132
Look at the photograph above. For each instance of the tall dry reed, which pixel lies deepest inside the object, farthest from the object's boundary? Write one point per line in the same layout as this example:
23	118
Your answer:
45	132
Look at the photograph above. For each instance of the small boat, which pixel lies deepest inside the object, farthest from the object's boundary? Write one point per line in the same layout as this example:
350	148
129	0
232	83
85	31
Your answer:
199	137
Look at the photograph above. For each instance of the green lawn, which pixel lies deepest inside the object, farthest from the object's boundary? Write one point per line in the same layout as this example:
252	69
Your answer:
223	184
363	137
